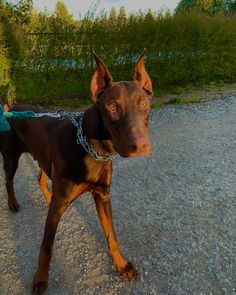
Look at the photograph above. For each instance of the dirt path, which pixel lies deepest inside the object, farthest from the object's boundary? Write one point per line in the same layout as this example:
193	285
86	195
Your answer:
174	214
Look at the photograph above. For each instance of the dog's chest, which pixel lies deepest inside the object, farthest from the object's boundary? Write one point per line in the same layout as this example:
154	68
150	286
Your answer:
87	170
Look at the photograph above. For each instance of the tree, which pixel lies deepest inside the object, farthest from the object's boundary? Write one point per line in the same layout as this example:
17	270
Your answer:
210	6
8	45
184	5
113	15
22	10
62	12
122	15
207	6
229	6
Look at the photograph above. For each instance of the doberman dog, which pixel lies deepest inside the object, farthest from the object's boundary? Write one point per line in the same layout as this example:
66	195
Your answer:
116	123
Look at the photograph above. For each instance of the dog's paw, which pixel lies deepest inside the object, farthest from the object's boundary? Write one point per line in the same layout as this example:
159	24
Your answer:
39	287
14	206
128	273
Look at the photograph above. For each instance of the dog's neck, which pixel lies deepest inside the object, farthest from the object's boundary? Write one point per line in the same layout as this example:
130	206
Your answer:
96	133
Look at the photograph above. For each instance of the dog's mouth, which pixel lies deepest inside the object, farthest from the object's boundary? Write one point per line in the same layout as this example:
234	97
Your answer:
135	150
140	154
136	154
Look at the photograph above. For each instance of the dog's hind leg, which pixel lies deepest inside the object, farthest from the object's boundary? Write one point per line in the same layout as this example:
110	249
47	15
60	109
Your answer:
10	166
11	149
42	179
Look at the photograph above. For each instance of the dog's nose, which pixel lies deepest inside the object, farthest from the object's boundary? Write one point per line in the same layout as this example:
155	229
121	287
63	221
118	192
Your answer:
133	147
140	147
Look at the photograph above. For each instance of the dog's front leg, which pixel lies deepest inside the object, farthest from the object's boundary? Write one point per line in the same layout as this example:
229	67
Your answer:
42	179
59	203
104	210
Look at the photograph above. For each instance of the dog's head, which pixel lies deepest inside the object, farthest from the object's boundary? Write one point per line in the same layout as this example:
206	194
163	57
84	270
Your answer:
124	107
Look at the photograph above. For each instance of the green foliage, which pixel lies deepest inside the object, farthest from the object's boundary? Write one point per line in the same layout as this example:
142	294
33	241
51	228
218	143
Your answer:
50	56
4	68
184	5
5	63
210	7
22	10
62	12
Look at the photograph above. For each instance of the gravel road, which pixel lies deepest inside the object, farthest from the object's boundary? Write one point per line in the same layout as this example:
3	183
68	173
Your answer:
174	214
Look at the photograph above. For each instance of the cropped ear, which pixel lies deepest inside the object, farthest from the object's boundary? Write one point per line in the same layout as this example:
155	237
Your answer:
141	76
101	78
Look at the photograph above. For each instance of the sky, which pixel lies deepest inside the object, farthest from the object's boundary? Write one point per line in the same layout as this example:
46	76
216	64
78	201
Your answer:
77	7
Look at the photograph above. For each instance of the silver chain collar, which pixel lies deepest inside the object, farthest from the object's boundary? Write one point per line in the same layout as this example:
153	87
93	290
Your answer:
81	138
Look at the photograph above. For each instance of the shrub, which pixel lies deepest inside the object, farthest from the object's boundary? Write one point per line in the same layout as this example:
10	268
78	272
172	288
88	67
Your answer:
55	59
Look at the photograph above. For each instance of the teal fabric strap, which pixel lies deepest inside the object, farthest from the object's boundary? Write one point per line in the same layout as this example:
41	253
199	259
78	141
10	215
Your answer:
5	126
27	115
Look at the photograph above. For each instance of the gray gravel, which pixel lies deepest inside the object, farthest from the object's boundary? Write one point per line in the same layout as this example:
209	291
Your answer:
174	214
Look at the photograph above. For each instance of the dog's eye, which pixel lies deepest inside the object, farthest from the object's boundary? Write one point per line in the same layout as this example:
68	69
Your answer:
144	104
112	107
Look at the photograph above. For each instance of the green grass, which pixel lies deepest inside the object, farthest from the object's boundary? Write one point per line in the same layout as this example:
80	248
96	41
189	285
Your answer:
185	100
69	103
175	100
196	100
156	105
80	103
173	89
